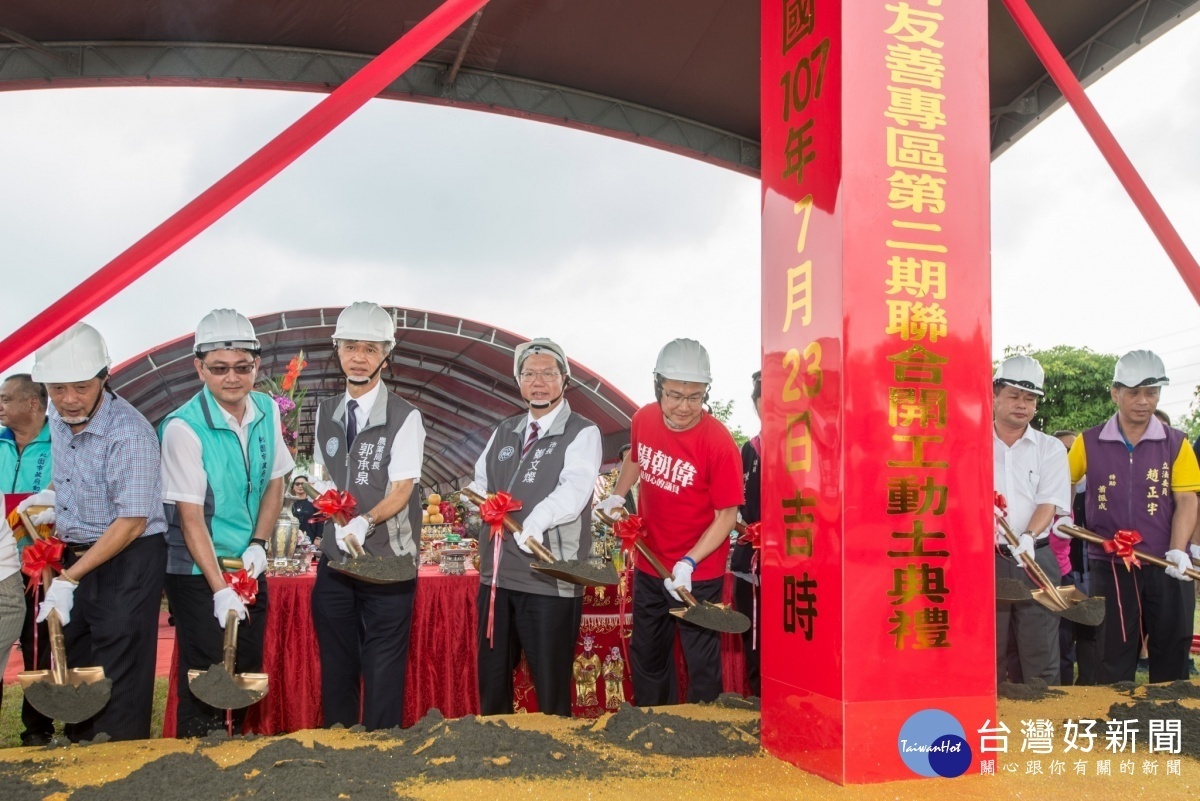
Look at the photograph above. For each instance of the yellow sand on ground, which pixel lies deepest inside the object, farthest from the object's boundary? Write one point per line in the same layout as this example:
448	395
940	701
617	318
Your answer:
659	778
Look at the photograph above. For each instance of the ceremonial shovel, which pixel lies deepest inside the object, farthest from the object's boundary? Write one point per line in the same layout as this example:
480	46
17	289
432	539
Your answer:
1088	536
219	686
1069	602
573	571
364	566
706	614
71	695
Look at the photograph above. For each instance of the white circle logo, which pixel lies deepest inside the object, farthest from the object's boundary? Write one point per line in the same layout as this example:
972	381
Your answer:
506	452
331	446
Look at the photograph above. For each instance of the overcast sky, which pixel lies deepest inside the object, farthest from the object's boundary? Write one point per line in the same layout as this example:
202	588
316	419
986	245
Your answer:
626	247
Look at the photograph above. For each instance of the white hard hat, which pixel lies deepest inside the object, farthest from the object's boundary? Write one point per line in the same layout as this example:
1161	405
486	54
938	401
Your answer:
1022	372
366	322
225	329
536	346
1140	368
684	360
78	354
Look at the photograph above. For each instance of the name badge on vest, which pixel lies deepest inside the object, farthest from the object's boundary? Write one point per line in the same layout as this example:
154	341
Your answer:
506	453
331	446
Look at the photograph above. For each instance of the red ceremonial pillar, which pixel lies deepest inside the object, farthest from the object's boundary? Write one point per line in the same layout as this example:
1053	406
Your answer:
878	643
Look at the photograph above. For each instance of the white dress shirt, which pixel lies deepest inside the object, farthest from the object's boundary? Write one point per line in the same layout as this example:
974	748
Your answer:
408	448
1032	472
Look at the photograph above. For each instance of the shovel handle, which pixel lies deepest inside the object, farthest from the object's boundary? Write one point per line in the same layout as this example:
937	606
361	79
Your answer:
654	561
231	632
1088	536
58	648
352	543
539	550
1033	568
28	525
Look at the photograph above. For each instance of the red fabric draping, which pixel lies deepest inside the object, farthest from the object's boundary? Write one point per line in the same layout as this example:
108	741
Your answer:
442	655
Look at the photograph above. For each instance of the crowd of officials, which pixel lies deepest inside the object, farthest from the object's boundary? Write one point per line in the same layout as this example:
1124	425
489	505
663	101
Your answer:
188	509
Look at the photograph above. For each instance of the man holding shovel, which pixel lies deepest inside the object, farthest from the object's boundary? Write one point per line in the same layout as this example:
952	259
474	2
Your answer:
691	486
108	503
372	444
548	459
1030	473
223	462
1142	479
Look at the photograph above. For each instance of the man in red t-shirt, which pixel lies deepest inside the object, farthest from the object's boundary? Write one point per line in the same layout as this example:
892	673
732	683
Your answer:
691	486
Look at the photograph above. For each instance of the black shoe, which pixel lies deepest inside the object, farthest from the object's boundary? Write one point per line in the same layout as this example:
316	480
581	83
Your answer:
29	738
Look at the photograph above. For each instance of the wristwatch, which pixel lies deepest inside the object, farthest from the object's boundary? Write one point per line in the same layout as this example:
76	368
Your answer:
370	522
259	542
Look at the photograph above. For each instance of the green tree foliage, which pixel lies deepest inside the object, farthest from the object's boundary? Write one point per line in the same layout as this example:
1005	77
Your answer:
1190	422
1077	387
723	410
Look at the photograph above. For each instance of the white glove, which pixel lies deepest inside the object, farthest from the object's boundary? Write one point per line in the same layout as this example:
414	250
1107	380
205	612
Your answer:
1024	545
468	504
526	534
1057	530
46	517
1180	562
223	601
61	596
998	512
358	527
254	560
611	504
1194	550
321	487
682	578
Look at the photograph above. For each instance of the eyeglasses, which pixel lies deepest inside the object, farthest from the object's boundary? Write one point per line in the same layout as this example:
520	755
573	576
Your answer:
243	368
528	377
690	400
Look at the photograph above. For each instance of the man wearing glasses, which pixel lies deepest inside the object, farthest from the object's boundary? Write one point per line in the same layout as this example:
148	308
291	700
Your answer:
1142	480
223	462
548	458
691	486
108	506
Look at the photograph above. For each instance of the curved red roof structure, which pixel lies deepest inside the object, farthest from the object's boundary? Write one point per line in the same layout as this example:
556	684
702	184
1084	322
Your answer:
456	371
676	74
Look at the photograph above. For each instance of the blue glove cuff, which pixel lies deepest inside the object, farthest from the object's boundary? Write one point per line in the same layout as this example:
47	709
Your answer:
690	561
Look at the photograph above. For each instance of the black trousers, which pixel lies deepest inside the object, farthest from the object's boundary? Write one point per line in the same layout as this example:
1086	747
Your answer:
744	596
652	646
362	635
36	724
1166	607
201	642
114	624
545	628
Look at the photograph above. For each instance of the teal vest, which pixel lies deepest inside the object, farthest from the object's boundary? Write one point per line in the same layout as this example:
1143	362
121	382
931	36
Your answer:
236	479
28	471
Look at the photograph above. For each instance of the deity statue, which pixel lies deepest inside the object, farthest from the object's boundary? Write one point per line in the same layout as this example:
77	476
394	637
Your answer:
585	673
614	680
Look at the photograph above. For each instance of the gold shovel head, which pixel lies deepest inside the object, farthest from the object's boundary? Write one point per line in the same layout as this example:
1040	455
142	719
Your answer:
75	676
252	685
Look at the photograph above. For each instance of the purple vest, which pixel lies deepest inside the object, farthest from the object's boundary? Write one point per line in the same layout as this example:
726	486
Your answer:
1131	490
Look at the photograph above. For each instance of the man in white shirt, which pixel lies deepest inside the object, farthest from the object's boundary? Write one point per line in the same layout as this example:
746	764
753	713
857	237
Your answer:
372	444
1030	472
548	458
223	463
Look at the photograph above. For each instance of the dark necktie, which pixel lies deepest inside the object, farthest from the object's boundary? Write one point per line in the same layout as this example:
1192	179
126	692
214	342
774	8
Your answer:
533	432
351	423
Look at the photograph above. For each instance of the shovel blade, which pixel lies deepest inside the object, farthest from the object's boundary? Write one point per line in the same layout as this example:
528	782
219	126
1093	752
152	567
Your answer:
1008	589
84	694
378	570
219	690
579	573
1087	611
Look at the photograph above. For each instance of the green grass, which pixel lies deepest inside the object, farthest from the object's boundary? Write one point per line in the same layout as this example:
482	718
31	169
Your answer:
10	713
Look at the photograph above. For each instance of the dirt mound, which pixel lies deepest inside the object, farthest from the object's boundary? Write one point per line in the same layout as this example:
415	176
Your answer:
661	733
1145	711
1033	690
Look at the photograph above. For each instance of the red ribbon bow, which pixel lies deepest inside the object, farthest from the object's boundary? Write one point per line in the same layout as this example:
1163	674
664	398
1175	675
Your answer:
332	504
493	510
752	536
628	529
1000	503
1122	545
40	555
241	583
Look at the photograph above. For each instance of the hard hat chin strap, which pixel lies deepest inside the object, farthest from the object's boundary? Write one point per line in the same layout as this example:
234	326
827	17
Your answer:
78	421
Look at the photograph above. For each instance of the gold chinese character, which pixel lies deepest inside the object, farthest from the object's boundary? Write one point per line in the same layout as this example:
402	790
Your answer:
916	321
799	294
912	25
914	149
798	437
1151	508
919	193
917	443
797	151
915	67
797	532
1152	474
918	366
922	407
918	535
905	495
917	277
916	106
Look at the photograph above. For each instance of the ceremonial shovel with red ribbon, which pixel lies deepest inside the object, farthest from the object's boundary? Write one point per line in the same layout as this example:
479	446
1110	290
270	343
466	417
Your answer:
219	686
1122	546
1069	602
340	507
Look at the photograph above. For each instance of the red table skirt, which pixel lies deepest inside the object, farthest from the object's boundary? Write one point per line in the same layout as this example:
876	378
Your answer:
442	656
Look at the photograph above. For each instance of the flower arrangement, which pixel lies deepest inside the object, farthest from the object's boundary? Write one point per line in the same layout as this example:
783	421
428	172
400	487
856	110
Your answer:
289	398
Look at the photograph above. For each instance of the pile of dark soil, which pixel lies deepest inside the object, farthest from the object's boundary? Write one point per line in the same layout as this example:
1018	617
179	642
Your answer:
15	784
580	571
1033	690
735	701
660	733
1174	691
378	569
216	688
70	703
1125	686
1144	711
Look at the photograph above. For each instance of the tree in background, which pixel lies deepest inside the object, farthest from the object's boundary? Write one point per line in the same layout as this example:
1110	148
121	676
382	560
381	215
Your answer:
1077	386
722	410
1190	422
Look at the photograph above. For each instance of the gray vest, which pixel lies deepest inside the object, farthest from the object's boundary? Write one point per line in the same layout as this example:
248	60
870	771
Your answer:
363	472
530	480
